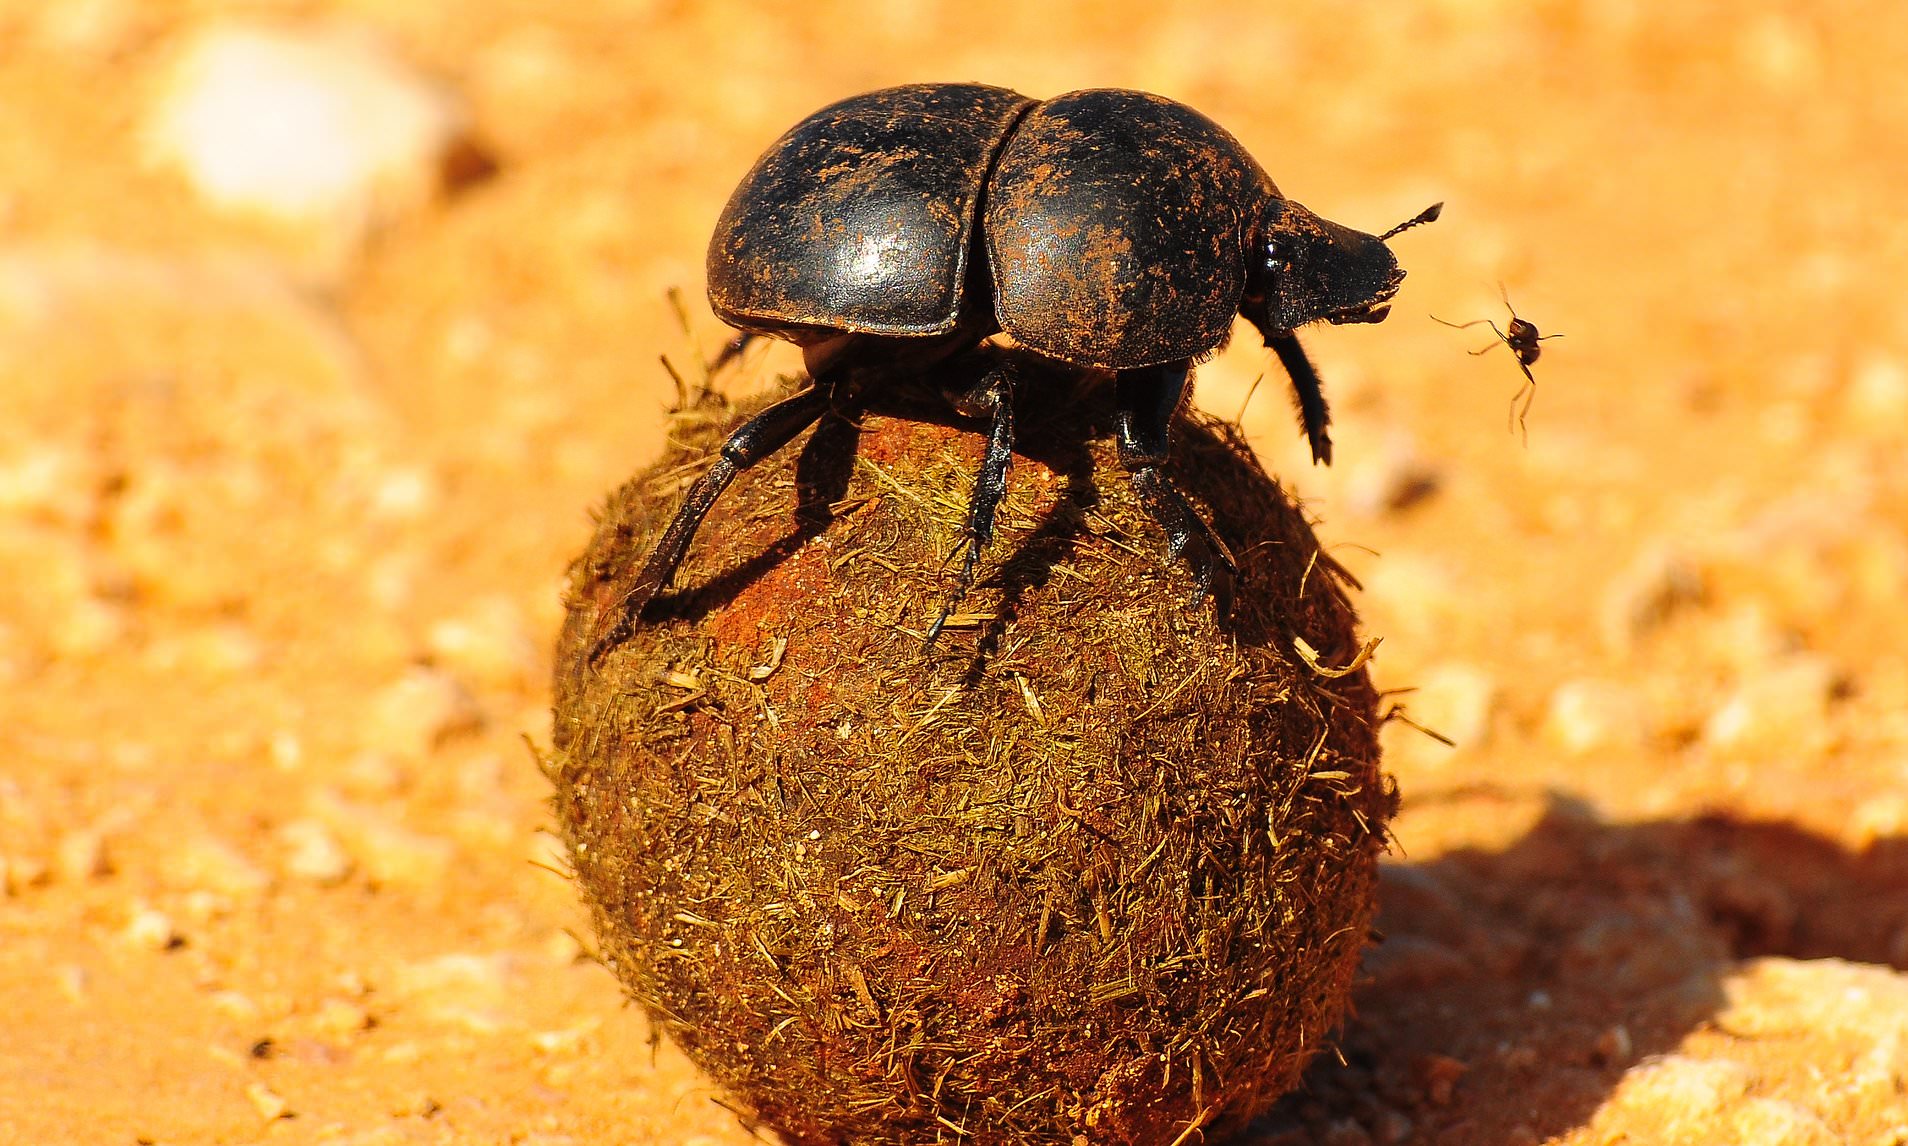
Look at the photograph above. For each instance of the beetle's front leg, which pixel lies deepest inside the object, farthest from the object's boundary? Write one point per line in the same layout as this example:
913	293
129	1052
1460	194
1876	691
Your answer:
752	441
1310	392
992	398
1148	399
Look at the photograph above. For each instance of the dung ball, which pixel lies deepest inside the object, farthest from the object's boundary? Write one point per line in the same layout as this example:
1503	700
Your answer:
1093	865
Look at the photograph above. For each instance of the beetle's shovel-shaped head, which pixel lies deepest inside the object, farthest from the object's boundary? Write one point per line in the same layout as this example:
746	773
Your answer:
1312	268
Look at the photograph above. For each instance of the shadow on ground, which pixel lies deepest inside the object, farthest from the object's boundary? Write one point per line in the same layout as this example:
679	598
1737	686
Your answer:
1512	989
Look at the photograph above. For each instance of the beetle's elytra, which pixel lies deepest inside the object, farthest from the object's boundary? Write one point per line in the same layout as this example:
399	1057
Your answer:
1106	229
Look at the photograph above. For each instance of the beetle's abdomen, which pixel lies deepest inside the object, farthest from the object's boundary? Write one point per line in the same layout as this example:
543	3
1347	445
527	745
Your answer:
860	217
1117	224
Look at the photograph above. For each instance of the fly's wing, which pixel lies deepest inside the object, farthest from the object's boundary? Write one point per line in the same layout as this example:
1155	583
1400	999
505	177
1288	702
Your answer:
1118	225
860	217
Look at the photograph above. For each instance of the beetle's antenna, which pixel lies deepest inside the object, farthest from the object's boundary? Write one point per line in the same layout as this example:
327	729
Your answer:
1428	215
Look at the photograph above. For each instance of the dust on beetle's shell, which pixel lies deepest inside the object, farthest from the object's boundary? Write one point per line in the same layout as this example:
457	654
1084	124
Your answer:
1096	865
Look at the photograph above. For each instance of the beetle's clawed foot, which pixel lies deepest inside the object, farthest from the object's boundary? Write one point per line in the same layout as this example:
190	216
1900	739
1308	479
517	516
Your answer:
970	550
619	620
1190	539
1213	569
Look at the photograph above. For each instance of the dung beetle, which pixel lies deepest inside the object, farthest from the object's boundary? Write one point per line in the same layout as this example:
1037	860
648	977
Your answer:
1107	229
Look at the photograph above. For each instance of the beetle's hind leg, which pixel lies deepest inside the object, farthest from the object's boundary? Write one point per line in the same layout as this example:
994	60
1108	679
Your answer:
1148	399
993	398
750	442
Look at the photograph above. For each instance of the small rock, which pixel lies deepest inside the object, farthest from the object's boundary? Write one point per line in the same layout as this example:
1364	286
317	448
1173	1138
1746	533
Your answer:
1613	1047
387	851
267	1102
74	983
1651	589
1392	478
151	929
20	872
1345	1132
1587	715
86	28
421	710
1438	1075
490	643
1782	707
476	992
207	651
1414	596
1457	701
1878	818
1391	1128
374	774
563	948
47	482
566	1040
285	750
203	863
235	1005
313	853
416	1104
319	125
338	1017
1877	396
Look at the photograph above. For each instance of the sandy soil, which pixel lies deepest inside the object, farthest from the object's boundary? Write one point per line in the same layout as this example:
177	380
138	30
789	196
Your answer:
285	506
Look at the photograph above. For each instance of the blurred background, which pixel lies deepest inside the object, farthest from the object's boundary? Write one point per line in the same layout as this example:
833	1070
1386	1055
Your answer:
324	325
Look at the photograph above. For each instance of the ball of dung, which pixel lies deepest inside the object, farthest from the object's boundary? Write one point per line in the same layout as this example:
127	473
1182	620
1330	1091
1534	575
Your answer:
1093	865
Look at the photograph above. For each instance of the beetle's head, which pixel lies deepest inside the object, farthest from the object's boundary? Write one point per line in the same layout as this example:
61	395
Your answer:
1308	268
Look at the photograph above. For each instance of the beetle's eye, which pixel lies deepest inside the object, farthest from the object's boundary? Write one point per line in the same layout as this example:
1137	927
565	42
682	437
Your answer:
1272	260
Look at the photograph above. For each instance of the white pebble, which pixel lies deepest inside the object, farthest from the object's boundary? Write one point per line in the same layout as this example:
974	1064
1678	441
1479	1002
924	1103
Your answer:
1392	478
313	853
151	929
1656	583
203	863
338	1017
490	642
1877	397
81	855
1457	701
319	125
267	1102
420	710
480	993
1586	715
386	850
1782	707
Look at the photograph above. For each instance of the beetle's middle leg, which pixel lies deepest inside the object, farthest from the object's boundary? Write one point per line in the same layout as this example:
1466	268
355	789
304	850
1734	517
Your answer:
992	398
752	441
1148	399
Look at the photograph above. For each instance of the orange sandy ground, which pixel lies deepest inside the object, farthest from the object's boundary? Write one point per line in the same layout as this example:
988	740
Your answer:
283	523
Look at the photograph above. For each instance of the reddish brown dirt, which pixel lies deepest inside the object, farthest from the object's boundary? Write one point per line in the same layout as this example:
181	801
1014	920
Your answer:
283	518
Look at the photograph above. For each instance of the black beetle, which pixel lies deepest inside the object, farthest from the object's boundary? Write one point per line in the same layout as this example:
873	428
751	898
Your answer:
1107	229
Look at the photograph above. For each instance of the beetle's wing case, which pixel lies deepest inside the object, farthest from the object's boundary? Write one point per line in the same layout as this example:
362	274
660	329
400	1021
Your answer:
860	217
1118	225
